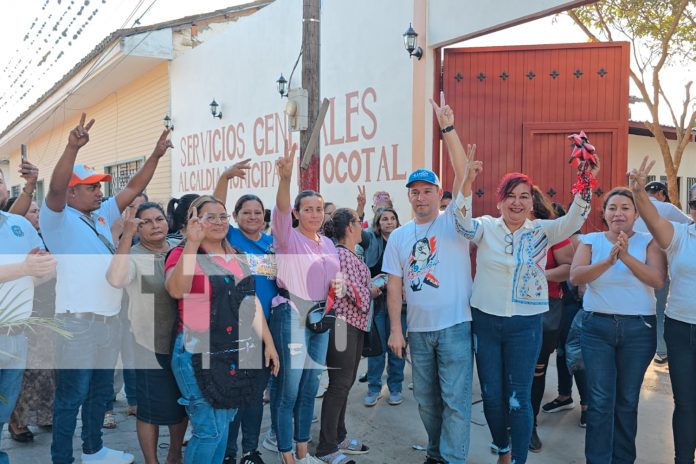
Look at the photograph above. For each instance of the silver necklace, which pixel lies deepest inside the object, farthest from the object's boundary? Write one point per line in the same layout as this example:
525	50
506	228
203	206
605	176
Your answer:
415	228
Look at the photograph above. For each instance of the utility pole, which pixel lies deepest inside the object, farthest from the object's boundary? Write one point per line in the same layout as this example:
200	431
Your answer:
311	12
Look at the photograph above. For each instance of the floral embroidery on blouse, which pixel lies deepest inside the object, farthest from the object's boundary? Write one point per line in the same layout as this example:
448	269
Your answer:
354	307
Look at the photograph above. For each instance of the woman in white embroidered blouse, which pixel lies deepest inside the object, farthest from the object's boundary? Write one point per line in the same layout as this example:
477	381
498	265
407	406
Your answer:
679	241
621	268
510	294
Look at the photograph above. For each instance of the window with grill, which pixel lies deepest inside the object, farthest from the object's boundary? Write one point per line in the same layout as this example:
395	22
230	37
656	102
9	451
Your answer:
690	182
121	174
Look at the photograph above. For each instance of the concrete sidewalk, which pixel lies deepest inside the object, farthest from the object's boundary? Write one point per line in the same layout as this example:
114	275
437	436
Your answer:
393	431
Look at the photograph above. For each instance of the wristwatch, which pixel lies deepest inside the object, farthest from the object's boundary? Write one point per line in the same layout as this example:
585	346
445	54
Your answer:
447	129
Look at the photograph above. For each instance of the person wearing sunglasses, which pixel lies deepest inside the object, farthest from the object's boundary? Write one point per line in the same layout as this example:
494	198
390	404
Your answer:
220	317
346	339
659	197
679	242
509	297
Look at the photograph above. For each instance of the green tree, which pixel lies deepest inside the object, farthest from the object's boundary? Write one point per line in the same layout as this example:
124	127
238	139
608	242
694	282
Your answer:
661	32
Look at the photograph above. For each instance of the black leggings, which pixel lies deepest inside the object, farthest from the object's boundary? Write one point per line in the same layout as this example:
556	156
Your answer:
549	342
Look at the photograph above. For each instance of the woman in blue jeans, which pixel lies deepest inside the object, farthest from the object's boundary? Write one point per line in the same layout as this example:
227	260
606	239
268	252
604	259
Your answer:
374	243
308	267
621	268
510	294
219	315
679	241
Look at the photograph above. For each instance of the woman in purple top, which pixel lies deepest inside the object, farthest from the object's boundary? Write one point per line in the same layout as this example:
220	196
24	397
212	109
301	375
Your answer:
307	268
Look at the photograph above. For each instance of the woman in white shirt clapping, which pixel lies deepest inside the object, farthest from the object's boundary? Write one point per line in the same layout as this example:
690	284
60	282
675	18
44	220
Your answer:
621	268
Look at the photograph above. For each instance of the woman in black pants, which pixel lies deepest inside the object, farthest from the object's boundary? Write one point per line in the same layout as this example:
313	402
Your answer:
346	339
557	270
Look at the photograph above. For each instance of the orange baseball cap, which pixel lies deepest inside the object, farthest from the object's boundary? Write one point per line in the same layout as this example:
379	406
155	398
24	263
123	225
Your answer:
83	174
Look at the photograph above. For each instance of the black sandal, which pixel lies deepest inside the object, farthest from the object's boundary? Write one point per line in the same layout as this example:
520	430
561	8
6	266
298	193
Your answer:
22	437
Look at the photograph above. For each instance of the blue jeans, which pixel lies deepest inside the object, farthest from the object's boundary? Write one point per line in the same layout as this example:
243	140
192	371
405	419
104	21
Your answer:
249	419
84	378
302	358
375	364
506	350
13	358
209	425
660	305
442	374
681	343
617	351
565	379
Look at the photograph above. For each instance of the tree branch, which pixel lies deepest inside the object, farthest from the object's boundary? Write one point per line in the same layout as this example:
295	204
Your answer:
669	105
582	26
600	18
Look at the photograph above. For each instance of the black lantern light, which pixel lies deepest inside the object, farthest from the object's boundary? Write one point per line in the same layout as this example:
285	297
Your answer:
410	43
282	86
168	123
214	109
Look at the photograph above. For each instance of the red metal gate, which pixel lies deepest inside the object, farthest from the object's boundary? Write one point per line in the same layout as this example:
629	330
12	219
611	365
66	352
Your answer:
518	104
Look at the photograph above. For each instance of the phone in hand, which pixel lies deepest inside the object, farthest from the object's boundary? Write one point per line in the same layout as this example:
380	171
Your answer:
24	152
380	280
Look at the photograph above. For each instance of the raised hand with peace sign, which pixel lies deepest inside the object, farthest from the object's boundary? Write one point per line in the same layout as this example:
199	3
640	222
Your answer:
443	112
284	167
79	136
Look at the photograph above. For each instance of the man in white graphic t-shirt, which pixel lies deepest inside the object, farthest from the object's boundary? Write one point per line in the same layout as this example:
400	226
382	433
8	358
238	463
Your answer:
429	260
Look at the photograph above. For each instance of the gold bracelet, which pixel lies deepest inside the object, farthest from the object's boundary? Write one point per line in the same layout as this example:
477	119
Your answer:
27	193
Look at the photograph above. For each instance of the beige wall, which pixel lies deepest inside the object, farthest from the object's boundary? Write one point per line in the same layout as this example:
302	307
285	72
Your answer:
640	146
128	124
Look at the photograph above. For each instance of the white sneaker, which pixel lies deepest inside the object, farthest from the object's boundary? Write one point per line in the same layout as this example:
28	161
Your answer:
270	442
309	459
107	456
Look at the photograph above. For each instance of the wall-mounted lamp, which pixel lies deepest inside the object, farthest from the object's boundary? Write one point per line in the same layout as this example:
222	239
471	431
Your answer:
410	43
214	109
282	84
168	123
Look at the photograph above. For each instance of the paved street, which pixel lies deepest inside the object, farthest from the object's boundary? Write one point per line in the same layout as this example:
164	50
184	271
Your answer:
393	431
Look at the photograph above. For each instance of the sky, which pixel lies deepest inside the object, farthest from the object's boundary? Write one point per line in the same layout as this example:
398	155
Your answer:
46	38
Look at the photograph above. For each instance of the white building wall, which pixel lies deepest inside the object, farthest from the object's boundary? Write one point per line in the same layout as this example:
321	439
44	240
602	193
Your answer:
640	146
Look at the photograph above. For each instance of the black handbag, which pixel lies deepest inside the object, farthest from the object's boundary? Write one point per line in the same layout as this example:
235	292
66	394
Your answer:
372	342
321	317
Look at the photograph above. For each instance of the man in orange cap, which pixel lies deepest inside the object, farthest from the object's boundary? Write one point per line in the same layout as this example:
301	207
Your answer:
76	227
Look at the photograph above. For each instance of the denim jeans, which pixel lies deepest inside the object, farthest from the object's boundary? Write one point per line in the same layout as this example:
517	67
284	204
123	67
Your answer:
617	351
375	364
209	425
506	350
13	357
660	305
249	419
442	375
302	358
681	343
84	379
565	379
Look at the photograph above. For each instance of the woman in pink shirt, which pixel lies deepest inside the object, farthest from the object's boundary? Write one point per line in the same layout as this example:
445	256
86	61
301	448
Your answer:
307	268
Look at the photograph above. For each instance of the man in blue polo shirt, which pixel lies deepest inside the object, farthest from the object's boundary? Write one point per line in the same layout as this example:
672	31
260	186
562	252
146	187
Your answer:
21	259
76	227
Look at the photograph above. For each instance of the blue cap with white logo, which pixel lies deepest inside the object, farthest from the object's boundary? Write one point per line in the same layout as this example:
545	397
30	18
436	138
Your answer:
423	175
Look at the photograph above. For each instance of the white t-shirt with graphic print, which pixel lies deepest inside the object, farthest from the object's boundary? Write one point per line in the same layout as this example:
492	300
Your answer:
433	260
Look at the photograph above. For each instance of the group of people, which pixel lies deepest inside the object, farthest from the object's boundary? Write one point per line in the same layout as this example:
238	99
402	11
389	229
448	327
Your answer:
218	314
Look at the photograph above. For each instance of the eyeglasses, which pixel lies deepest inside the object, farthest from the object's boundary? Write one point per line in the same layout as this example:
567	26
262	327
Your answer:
355	221
692	204
213	219
509	241
149	222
